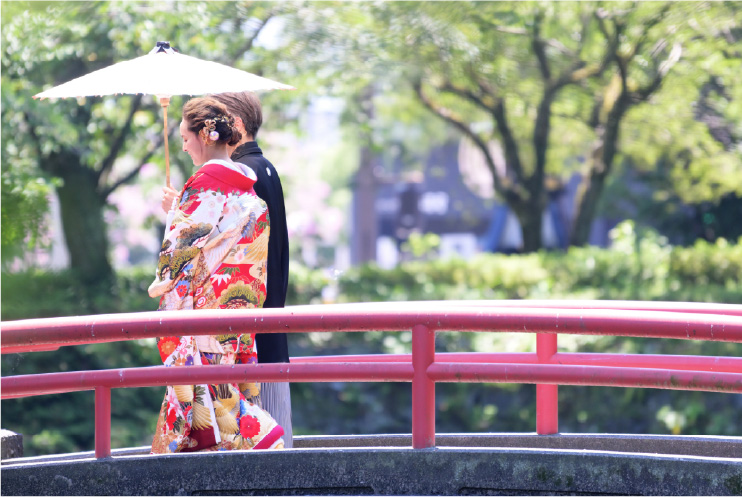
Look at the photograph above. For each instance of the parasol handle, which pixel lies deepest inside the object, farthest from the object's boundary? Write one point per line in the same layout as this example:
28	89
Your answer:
164	102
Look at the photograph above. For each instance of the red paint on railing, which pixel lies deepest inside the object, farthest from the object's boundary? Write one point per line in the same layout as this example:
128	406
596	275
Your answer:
587	376
29	348
626	305
652	361
423	388
73	381
111	327
547	396
102	422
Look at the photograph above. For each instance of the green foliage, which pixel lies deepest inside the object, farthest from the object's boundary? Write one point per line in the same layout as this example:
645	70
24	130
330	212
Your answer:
558	77
65	422
23	205
422	245
103	141
37	294
640	265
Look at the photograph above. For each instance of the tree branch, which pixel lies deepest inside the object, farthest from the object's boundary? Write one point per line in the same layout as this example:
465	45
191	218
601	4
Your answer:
642	94
594	119
583	33
496	109
664	67
512	155
484	86
449	116
113	152
653	21
512	31
541	129
34	138
251	41
580	71
479	100
132	174
556	44
570	117
538	47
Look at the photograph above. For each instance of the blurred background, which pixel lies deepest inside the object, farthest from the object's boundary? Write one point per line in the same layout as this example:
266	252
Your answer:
432	150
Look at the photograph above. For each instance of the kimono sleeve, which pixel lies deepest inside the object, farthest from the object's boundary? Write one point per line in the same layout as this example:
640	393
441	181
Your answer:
193	223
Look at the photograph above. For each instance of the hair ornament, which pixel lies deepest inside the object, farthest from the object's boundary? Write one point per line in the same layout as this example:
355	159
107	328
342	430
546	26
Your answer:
209	132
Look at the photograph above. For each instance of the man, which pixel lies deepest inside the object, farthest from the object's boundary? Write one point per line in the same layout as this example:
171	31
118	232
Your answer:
272	347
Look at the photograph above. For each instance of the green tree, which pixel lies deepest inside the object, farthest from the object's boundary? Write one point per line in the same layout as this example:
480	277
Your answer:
573	71
90	147
689	188
562	88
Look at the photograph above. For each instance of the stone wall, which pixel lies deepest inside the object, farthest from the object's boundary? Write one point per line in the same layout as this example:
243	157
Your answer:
382	470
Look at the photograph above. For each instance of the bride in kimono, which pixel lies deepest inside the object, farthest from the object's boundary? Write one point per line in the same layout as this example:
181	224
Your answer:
213	257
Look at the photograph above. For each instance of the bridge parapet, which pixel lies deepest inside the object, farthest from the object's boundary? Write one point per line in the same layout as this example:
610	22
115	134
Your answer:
376	465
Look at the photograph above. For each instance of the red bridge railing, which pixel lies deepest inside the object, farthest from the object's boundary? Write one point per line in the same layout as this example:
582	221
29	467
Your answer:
547	367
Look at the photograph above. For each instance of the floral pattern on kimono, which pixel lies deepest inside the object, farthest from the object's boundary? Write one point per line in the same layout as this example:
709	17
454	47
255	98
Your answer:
213	256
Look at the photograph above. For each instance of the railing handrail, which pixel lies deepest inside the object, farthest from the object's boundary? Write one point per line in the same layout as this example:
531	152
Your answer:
647	361
38	334
545	367
439	371
626	305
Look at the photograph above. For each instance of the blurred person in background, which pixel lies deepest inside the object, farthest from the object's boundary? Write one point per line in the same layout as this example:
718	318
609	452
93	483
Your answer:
271	347
213	256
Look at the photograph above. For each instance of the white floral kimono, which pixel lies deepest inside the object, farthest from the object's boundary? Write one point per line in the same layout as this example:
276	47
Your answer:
214	257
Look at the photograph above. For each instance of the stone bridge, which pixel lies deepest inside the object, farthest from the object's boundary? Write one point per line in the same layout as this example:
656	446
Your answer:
423	463
471	464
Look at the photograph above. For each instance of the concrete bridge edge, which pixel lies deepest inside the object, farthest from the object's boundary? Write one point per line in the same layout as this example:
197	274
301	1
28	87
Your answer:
384	470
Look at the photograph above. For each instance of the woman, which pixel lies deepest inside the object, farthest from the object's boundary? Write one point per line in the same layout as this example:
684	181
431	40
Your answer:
213	257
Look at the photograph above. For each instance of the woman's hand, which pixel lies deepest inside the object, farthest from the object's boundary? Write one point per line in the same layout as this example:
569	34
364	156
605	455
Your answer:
168	196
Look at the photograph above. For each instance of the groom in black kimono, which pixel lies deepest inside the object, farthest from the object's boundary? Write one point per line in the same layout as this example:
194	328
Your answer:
272	347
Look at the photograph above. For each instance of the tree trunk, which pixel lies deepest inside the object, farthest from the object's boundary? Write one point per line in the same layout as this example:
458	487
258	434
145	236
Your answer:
587	200
530	217
601	163
365	219
84	228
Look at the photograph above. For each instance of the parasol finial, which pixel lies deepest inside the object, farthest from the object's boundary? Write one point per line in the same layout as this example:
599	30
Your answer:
163	46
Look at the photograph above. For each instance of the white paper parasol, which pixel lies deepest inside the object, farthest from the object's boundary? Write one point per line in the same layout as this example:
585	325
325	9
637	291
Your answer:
163	72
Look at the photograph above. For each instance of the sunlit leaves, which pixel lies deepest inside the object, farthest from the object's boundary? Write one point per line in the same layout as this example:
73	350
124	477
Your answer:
49	43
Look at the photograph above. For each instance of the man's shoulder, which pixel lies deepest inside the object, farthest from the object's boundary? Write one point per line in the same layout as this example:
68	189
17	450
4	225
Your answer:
259	164
252	160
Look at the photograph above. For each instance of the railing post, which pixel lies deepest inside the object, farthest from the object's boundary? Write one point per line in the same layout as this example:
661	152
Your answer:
102	422
547	396
423	388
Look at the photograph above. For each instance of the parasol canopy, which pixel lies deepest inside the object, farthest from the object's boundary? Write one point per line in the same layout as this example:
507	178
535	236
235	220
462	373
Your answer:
163	72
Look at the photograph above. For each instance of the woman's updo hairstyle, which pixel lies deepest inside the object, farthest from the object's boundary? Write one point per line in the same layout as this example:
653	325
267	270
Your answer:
210	119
